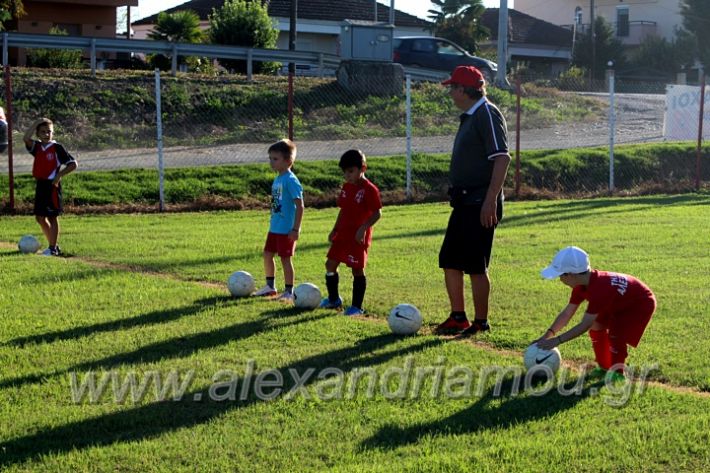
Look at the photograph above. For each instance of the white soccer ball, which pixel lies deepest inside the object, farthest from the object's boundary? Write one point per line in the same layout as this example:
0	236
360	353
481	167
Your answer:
241	284
28	244
405	319
537	358
306	296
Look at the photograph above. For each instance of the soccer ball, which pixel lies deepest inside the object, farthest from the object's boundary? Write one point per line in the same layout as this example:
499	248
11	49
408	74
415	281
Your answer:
241	284
536	358
405	319
306	296
28	244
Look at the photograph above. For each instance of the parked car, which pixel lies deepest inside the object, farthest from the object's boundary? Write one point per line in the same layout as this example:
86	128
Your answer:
438	53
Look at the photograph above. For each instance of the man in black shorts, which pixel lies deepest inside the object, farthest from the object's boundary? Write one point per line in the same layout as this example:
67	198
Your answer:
479	162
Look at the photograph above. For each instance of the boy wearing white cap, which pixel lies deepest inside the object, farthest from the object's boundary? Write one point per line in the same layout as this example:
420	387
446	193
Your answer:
618	311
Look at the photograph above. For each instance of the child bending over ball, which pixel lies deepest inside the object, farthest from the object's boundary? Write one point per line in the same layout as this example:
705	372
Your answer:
619	309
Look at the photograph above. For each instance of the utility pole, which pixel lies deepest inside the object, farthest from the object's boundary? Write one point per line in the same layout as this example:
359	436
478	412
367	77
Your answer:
502	44
593	37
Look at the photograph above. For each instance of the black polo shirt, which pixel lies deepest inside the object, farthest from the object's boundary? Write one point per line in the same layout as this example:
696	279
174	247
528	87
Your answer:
482	136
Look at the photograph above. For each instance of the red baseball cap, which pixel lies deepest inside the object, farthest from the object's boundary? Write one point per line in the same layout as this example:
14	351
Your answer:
468	76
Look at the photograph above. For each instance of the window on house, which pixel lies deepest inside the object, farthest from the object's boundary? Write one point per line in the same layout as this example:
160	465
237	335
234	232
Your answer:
622	21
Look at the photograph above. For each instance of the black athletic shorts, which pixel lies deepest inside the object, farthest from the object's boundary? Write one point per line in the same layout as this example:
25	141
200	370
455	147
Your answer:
48	198
467	244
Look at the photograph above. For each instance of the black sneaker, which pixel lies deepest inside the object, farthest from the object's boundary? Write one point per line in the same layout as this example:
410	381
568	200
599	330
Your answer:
475	328
56	251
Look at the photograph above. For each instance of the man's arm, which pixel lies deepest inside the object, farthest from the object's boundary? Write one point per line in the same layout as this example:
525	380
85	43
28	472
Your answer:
489	209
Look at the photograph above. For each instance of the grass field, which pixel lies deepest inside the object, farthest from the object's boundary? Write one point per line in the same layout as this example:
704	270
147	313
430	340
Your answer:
144	295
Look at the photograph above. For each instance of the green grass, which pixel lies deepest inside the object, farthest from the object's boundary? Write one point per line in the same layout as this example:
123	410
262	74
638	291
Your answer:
639	168
132	297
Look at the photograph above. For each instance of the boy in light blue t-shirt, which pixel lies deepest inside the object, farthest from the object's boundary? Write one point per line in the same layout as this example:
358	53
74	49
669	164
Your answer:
286	217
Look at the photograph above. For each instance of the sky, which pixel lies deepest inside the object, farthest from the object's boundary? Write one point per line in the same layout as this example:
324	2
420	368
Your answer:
413	7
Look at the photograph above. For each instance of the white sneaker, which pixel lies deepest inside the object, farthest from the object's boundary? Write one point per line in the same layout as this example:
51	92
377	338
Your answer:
47	252
266	291
286	297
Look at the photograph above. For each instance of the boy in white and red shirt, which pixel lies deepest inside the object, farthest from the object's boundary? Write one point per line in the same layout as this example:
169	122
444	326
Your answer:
360	208
619	308
49	157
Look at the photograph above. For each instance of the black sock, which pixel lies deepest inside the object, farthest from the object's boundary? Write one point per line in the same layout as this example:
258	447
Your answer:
331	283
359	286
289	288
481	322
458	316
271	282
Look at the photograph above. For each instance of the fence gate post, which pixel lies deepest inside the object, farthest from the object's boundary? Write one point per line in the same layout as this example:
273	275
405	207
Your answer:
612	126
8	104
159	127
93	57
409	137
700	130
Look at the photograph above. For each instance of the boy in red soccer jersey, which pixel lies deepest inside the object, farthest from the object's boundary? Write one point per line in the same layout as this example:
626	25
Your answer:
49	157
618	311
360	208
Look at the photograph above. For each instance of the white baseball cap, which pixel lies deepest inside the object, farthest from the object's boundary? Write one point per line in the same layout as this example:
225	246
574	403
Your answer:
568	260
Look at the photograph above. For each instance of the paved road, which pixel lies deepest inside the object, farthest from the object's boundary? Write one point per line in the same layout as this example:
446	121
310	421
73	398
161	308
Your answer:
639	120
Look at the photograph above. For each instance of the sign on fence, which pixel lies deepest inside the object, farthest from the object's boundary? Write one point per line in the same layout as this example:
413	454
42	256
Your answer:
680	121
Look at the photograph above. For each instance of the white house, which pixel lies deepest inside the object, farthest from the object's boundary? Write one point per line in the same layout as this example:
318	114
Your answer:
633	20
319	21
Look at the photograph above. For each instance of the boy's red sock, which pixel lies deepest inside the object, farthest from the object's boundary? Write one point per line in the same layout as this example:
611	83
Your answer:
600	344
619	352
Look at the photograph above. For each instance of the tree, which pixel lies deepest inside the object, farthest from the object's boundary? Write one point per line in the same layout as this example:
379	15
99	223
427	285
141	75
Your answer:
658	53
244	23
459	21
608	48
9	10
696	20
180	27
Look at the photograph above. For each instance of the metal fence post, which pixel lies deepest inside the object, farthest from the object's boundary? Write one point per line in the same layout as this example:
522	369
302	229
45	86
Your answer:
700	130
175	60
409	137
8	104
250	65
612	126
93	57
518	93
4	49
159	127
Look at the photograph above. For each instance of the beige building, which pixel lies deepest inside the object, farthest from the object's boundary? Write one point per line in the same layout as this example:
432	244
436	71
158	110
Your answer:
92	18
633	20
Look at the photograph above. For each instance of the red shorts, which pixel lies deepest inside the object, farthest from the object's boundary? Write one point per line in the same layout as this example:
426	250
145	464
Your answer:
629	325
280	244
352	254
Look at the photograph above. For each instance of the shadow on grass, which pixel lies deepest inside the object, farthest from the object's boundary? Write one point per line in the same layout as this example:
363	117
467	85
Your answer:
512	410
176	347
144	320
196	407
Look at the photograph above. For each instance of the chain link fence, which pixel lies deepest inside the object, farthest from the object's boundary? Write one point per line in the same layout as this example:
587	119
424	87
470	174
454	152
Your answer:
569	130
